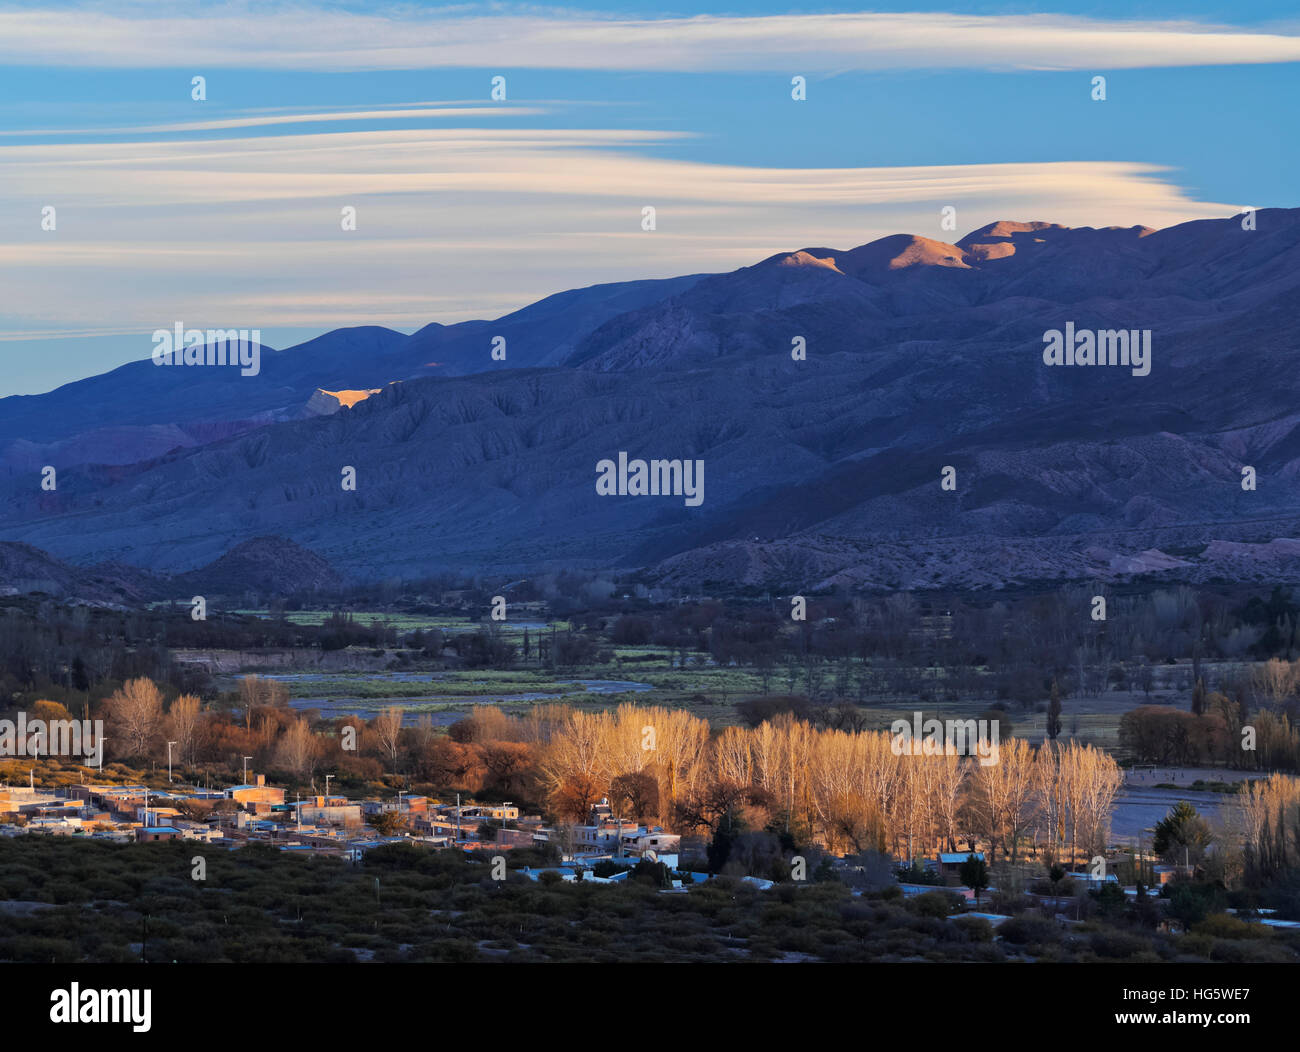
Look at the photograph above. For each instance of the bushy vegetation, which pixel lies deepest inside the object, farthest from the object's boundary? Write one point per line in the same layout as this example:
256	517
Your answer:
120	903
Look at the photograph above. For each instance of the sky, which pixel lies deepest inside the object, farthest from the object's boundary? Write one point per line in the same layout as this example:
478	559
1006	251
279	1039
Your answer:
226	211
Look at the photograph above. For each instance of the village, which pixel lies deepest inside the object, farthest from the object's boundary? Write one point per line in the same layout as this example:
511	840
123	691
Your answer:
603	850
327	824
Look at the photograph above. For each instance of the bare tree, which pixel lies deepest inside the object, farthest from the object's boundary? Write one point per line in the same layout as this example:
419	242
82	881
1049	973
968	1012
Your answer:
183	723
135	717
297	748
387	726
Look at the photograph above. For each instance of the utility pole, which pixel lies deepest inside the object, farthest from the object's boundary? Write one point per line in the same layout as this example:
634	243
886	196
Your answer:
246	759
458	819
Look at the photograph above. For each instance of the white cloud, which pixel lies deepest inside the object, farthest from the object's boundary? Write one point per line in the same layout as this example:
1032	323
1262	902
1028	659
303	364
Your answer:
460	223
255	119
232	35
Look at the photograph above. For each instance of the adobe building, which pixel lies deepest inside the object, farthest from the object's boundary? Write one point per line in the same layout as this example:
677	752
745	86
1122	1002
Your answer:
257	792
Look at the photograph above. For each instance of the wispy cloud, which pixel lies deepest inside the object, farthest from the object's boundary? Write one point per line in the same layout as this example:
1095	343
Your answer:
458	223
266	120
316	37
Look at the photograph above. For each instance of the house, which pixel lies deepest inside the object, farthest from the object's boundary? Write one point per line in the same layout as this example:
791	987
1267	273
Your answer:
20	798
949	863
642	842
255	792
158	816
54	824
911	891
506	812
1167	874
196	831
512	838
1087	879
408	805
151	834
354	850
435	825
569	874
331	810
605	834
993	918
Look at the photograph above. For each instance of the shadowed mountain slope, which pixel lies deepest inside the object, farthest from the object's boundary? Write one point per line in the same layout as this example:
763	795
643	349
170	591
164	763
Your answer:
920	355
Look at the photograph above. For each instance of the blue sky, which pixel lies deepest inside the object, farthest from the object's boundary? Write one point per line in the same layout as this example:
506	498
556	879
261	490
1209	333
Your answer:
225	212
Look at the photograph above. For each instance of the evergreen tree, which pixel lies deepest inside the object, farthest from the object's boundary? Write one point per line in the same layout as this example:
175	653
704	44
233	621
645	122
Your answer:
1181	834
975	875
1054	712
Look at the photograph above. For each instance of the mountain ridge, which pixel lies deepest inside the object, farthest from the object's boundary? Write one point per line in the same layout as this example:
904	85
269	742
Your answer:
262	564
909	368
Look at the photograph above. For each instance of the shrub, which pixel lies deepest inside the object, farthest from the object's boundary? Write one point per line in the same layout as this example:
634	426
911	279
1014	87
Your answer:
975	929
1225	926
1118	944
1027	930
936	904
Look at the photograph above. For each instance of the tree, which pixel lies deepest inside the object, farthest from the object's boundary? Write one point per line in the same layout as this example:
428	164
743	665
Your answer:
1272	826
387	823
1001	796
183	726
574	797
1192	903
1198	698
975	875
711	807
50	712
388	726
1056	874
654	873
508	764
135	717
256	692
451	764
194	810
1054	712
1182	834
1110	900
635	795
297	747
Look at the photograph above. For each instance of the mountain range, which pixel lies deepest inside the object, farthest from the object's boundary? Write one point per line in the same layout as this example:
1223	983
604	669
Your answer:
265	565
921	355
